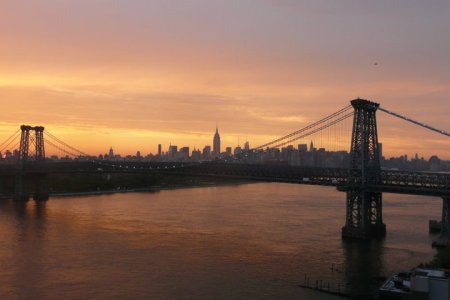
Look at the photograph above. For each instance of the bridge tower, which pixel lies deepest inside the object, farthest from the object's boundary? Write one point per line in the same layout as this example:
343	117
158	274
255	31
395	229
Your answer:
444	238
364	217
37	140
31	150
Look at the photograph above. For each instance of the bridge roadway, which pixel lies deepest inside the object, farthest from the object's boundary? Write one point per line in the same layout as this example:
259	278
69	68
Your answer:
404	182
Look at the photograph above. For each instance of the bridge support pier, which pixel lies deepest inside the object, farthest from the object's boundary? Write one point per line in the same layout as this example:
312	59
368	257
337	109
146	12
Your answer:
20	188
40	188
444	238
25	186
364	217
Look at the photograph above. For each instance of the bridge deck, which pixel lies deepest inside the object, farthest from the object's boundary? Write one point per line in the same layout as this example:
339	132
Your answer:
405	182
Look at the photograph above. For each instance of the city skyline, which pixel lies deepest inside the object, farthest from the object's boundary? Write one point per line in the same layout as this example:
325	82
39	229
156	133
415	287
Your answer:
228	149
259	69
300	155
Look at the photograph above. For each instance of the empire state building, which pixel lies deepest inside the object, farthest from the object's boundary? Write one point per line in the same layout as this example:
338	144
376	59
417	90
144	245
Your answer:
216	144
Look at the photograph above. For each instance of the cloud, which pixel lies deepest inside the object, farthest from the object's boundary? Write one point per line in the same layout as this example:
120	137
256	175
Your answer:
259	69
92	108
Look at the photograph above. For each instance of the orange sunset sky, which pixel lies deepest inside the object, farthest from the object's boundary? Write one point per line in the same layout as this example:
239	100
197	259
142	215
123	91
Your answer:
132	74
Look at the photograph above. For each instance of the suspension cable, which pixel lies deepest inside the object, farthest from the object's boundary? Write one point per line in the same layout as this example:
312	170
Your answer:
13	136
315	130
10	140
327	118
80	153
61	149
443	132
16	145
302	133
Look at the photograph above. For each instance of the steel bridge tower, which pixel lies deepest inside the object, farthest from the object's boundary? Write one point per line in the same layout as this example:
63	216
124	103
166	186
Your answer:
31	150
37	140
364	217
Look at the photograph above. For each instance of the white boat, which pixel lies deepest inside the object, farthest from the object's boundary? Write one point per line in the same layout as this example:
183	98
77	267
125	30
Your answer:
419	283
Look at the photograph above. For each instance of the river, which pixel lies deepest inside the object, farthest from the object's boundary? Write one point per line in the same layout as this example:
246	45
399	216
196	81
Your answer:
249	241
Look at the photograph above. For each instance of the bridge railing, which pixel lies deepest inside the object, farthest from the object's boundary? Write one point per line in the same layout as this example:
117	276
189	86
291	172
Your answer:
422	179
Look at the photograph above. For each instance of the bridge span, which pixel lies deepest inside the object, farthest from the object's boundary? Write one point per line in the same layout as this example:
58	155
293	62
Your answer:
391	181
363	181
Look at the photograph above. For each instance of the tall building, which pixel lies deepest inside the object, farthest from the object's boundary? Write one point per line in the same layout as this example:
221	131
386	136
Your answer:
302	147
173	150
247	146
111	153
159	149
196	155
207	153
237	150
228	151
216	143
184	153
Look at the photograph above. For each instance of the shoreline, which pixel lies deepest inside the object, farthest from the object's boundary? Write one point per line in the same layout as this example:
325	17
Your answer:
134	190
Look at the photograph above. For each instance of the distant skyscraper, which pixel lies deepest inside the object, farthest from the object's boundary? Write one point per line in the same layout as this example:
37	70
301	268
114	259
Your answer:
173	150
302	147
196	155
237	150
184	152
247	146
111	153
228	151
207	153
159	149
216	143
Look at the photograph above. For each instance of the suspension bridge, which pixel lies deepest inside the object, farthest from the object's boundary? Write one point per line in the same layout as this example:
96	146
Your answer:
363	180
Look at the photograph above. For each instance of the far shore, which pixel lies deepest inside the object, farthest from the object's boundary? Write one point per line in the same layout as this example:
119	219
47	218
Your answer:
155	188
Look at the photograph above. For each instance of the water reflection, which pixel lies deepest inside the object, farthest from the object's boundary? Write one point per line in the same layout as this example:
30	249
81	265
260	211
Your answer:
26	241
363	266
256	241
24	210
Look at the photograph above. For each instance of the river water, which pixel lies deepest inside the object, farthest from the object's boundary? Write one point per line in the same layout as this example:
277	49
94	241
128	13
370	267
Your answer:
249	241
